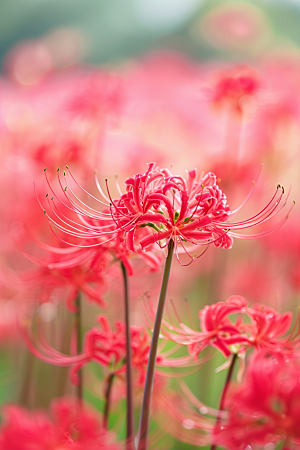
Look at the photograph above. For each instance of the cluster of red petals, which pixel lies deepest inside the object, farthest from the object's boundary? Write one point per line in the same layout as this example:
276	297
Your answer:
156	208
69	427
107	347
103	345
234	86
265	408
192	210
259	327
119	250
175	208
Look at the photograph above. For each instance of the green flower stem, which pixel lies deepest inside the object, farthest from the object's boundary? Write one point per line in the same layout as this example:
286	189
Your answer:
78	329
145	412
225	390
129	392
107	400
27	378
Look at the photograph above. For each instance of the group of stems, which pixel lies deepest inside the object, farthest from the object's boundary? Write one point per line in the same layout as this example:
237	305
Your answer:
129	392
145	412
224	393
78	331
146	404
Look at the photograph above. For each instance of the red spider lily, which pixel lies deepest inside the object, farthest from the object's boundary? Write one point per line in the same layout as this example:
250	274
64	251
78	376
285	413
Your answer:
266	407
104	346
267	326
235	87
266	329
68	427
216	328
169	207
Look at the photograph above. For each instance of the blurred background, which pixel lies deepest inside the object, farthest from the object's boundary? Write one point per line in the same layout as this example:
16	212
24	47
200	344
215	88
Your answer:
113	31
112	85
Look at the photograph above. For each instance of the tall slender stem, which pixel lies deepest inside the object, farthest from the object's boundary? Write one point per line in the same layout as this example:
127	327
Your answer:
78	329
26	382
129	392
107	399
145	413
224	393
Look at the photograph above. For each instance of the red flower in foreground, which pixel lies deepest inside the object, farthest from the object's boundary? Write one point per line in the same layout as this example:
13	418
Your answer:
169	207
266	407
69	427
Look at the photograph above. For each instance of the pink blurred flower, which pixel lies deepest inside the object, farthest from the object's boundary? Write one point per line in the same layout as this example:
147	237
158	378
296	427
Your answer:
77	271
234	25
68	427
265	407
235	88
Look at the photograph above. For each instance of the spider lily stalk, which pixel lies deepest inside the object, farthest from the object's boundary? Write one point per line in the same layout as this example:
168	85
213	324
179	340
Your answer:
225	390
108	390
129	392
78	331
145	412
232	94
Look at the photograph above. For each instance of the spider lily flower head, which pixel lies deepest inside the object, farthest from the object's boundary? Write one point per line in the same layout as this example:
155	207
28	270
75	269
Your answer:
192	210
67	427
268	326
189	211
171	206
258	327
107	347
217	330
236	88
265	407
